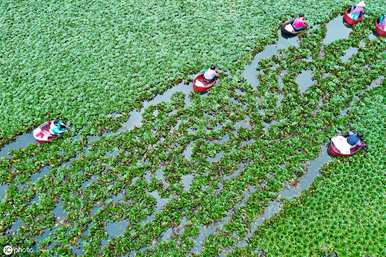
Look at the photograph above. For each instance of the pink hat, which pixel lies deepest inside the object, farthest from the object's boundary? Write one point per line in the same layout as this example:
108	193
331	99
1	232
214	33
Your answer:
361	4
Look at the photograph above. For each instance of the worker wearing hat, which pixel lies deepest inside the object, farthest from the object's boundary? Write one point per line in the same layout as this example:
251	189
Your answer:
357	11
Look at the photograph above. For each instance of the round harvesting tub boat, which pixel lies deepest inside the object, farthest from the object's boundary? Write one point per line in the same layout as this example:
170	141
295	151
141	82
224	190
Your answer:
379	30
348	20
332	150
42	133
200	85
288	33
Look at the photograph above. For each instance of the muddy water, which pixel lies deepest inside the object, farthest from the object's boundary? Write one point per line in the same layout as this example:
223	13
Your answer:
78	250
165	236
272	209
280	83
148	176
372	37
160	176
248	142
118	197
113	153
267	126
95	209
35	199
20	142
336	30
304	80
250	71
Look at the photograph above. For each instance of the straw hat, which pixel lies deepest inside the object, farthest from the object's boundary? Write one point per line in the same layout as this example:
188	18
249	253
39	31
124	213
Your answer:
361	4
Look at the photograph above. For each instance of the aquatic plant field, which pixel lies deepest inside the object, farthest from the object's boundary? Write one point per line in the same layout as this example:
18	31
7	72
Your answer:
149	168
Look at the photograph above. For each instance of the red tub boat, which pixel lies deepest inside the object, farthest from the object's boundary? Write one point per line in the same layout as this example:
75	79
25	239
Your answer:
292	33
332	150
379	30
348	20
42	133
200	85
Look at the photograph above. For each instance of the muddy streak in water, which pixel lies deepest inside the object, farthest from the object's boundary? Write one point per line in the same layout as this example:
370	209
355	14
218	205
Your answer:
168	234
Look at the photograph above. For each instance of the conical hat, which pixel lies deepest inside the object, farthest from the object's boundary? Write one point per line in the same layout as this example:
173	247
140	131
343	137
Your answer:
361	4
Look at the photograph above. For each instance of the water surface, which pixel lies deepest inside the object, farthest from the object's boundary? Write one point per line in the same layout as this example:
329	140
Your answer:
336	30
21	141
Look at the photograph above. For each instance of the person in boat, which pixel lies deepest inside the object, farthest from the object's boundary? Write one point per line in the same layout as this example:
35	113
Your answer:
354	139
346	143
357	11
382	22
57	127
211	74
299	23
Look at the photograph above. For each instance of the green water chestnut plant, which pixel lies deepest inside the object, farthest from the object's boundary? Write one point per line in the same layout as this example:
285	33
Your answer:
115	177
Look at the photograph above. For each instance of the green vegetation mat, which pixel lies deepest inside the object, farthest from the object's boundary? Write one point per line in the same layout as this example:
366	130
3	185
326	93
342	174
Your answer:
344	211
84	61
194	175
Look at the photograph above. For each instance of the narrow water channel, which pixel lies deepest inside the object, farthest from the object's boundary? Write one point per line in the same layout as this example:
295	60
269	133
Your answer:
289	193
